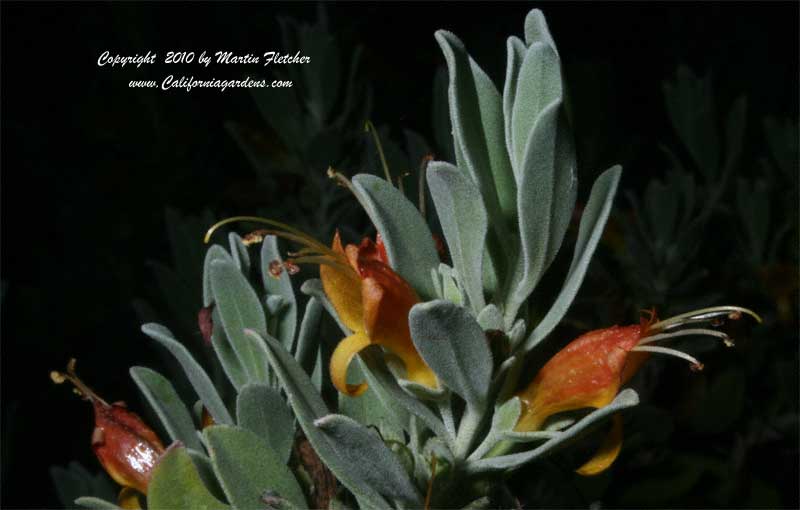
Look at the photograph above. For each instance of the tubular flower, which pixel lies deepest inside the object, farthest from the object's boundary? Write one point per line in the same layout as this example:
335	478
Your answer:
369	297
590	370
125	446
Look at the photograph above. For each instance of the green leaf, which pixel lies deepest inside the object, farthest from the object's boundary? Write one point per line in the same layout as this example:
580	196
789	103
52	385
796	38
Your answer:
227	356
175	483
547	193
308	340
308	406
690	104
593	221
378	374
408	240
476	111
194	372
536	30
280	286
215	252
247	467
538	86
490	318
626	398
734	133
369	459
239	308
516	51
464	224
262	410
453	344
206	471
374	407
96	503
504	419
169	407
239	252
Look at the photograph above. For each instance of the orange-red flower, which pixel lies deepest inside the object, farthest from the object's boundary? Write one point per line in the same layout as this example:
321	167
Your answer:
369	297
125	446
373	302
590	370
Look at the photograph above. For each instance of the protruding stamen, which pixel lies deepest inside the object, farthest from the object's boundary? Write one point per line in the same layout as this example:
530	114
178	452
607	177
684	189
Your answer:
80	388
254	237
686	332
704	315
369	127
696	365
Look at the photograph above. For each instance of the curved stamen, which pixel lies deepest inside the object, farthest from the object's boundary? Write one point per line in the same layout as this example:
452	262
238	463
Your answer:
696	365
686	332
704	315
80	387
285	231
369	127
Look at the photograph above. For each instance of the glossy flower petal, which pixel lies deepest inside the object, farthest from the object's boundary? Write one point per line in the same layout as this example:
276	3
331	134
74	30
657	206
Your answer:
590	370
125	445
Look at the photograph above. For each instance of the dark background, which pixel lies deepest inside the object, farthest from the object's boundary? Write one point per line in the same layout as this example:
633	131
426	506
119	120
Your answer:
88	165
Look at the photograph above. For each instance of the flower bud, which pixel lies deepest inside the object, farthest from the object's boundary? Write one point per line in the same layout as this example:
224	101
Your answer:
125	446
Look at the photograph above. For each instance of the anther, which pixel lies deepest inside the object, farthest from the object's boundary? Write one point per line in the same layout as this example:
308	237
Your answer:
275	269
254	237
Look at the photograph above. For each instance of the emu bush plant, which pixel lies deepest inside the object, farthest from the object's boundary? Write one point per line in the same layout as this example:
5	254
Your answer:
437	395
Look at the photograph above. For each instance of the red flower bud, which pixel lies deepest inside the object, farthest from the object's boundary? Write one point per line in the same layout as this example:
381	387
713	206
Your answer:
126	447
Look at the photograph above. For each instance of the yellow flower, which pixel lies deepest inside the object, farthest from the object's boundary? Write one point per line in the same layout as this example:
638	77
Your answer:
373	302
369	297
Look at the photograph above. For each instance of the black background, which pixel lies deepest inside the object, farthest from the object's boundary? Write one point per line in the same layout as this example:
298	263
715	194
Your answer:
88	164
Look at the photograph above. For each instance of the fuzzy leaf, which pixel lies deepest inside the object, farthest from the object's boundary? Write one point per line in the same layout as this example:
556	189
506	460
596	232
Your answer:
516	51
262	410
453	344
538	86
464	224
490	318
593	221
194	372
547	196
215	252
175	483
409	242
247	467
239	252
308	406
536	29
476	111
369	459
239	308
281	286
169	407
227	356
378	374
307	339
96	503
626	398
374	407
